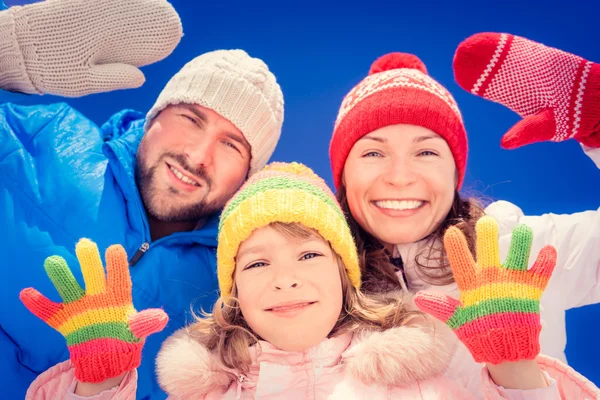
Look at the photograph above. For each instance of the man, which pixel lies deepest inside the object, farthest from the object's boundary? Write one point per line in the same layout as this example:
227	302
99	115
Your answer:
154	184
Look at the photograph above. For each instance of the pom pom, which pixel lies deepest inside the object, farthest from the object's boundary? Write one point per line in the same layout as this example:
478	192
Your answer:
396	61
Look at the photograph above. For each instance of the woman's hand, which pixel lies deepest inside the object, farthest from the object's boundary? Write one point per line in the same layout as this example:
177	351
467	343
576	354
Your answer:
556	93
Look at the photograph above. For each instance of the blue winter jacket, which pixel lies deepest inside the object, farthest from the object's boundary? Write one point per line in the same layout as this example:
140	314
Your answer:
63	178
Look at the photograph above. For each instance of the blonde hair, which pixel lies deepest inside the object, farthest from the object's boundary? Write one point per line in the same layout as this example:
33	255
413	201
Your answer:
226	332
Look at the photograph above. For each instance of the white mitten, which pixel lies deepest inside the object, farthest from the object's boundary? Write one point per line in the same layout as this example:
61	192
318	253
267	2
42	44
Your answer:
74	48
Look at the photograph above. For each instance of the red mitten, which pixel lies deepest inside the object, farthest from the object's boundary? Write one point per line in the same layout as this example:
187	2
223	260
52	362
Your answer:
556	93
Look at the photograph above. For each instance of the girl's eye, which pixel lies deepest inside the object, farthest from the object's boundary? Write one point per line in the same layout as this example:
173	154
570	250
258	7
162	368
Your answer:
308	256
255	265
372	154
427	153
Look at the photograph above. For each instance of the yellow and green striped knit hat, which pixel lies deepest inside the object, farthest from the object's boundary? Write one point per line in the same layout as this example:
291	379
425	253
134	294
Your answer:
283	192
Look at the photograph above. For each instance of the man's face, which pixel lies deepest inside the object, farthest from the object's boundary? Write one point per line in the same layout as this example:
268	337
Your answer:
189	163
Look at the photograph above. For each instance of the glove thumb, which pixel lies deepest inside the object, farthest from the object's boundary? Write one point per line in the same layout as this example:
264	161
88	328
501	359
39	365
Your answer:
439	305
109	77
540	127
147	322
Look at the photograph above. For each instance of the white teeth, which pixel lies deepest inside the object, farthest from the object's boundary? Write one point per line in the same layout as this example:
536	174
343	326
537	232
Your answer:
399	205
182	176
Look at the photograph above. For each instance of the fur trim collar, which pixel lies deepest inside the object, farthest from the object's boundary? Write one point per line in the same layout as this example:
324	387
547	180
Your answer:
186	369
417	351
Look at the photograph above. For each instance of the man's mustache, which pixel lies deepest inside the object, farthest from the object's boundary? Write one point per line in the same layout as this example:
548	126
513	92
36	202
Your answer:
198	172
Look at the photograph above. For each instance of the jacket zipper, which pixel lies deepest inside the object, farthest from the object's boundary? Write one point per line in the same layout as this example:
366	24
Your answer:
241	380
139	254
143	249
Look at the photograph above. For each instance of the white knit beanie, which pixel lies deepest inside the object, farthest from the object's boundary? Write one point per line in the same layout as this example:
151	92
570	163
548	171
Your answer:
239	88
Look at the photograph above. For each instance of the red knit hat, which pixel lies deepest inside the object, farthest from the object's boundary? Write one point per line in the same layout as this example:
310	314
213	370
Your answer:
397	91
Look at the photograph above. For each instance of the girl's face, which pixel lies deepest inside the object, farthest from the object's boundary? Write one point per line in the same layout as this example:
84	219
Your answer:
400	182
289	289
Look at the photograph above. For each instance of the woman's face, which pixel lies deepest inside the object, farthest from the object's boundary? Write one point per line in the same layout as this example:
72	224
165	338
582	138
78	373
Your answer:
400	182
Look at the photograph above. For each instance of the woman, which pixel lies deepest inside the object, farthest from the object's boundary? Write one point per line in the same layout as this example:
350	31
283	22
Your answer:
398	156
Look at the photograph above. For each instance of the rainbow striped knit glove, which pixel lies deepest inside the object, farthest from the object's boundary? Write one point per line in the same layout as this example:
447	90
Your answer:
104	333
498	314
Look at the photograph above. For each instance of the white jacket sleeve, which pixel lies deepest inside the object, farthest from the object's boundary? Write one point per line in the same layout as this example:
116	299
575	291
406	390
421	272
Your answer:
576	237
593	153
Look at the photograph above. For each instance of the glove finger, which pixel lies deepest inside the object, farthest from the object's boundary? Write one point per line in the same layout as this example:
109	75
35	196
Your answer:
117	267
540	127
544	266
109	77
487	249
153	37
91	267
520	248
460	257
439	305
147	322
59	273
39	305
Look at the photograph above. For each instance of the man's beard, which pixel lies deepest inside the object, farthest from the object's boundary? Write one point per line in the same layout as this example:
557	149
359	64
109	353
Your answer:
145	177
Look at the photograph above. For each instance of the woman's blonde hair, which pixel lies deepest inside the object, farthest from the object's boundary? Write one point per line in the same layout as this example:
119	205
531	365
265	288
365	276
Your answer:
225	331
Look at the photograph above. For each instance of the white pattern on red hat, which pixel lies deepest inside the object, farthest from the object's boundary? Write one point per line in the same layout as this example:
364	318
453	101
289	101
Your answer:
406	77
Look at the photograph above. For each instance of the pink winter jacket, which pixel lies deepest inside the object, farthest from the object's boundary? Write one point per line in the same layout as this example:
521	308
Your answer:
406	362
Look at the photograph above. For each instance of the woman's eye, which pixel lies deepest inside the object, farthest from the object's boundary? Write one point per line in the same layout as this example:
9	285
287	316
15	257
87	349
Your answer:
372	154
427	153
308	256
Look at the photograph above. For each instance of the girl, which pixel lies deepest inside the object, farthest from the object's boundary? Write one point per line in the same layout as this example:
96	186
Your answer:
398	156
292	323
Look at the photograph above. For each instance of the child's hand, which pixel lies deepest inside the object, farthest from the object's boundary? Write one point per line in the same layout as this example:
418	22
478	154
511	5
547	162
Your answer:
498	315
104	333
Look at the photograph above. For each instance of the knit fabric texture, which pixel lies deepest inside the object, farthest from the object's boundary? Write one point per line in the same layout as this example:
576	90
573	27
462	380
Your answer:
498	313
397	91
288	193
239	88
104	333
77	47
557	93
